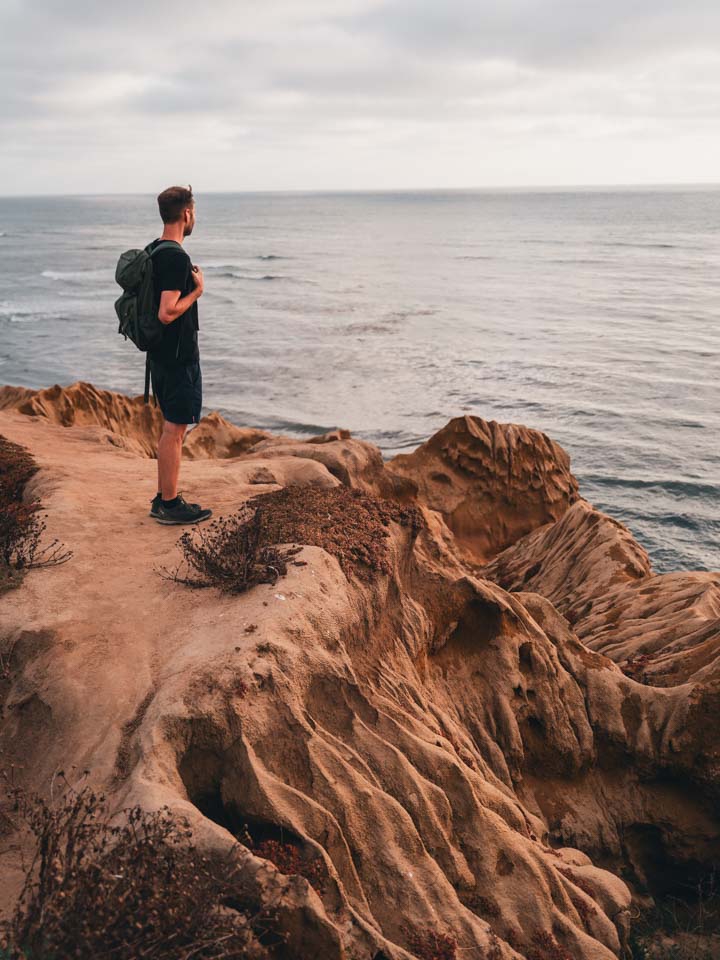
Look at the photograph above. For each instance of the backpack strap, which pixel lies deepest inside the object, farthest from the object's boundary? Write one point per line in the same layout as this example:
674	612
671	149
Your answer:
151	253
146	396
163	243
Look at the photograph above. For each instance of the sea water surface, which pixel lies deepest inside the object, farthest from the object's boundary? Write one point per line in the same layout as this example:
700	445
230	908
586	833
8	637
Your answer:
589	314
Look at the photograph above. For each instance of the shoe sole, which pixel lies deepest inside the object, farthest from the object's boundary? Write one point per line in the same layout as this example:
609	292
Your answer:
178	523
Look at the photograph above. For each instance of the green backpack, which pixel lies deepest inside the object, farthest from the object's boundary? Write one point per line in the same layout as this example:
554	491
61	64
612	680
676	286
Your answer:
136	307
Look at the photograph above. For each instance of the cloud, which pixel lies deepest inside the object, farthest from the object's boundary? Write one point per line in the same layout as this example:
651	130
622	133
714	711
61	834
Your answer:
543	32
367	93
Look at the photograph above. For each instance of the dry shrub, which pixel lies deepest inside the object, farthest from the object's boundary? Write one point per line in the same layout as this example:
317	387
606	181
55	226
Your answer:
349	524
288	858
96	891
635	667
487	906
428	944
683	927
581	882
546	947
585	910
235	553
495	952
230	553
21	526
17	467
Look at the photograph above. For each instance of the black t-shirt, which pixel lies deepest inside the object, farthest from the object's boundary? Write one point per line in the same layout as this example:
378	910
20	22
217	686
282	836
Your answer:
172	270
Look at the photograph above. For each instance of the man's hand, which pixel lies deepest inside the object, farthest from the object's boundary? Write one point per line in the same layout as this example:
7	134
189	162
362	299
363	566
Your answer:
172	305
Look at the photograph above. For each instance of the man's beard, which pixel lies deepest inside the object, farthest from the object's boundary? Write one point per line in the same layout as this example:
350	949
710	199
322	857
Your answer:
188	229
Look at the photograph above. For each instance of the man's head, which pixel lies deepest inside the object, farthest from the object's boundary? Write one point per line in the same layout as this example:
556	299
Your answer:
177	205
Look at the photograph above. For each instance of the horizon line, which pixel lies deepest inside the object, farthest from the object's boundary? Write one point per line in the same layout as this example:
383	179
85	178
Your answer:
391	190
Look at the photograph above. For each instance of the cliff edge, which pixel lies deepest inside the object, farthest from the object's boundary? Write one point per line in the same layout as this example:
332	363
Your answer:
504	735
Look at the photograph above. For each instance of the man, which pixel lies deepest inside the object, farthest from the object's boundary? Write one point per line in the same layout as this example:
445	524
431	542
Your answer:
175	364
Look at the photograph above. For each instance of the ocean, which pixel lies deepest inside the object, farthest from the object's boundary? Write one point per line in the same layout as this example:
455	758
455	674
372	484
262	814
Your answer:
589	314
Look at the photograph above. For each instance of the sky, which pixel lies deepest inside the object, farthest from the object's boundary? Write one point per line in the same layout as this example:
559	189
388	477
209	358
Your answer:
103	97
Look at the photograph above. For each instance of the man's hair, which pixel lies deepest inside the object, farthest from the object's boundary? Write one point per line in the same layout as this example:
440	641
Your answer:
173	201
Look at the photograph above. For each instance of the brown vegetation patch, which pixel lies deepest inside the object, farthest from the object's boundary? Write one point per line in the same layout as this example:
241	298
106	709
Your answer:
21	527
584	909
428	944
581	882
684	927
349	524
486	906
287	855
235	553
546	947
16	468
643	669
135	889
129	729
231	553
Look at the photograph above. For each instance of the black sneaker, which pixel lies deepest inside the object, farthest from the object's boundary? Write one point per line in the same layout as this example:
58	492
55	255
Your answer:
155	506
181	513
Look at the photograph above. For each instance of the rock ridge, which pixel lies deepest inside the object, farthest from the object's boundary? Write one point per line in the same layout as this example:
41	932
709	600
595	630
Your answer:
510	735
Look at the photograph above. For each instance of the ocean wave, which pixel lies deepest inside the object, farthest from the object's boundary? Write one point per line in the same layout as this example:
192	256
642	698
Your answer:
76	276
386	323
361	328
271	256
25	316
305	429
266	276
576	261
661	520
637	244
231	271
680	488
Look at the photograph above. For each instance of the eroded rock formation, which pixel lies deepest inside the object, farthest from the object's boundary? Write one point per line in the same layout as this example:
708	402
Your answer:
491	482
456	740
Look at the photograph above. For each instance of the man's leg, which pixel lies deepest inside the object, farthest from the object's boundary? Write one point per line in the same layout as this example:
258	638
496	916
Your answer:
169	456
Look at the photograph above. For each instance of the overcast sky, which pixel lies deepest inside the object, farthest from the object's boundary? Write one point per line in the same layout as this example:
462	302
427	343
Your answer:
98	96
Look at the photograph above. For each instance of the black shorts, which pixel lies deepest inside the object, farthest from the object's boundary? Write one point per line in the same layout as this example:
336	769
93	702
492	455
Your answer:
178	390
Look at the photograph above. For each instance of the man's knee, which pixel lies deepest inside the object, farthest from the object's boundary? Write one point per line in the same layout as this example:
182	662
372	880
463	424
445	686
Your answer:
174	431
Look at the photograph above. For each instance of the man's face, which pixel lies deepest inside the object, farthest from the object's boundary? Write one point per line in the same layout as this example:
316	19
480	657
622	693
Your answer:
189	215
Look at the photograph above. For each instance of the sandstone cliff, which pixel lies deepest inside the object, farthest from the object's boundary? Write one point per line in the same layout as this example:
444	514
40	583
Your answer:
504	738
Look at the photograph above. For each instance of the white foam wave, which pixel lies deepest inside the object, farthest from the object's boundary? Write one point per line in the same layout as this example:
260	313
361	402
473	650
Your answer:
19	317
75	276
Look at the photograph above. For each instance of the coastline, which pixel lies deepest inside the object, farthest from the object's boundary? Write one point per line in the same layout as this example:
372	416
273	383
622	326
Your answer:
518	700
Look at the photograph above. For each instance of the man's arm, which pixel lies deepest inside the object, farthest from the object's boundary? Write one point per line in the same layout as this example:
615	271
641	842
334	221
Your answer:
172	305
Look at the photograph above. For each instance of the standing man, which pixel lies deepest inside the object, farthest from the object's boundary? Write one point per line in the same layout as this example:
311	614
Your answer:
175	364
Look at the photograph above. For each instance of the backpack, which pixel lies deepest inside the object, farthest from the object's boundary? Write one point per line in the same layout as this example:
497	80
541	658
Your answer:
136	307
